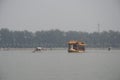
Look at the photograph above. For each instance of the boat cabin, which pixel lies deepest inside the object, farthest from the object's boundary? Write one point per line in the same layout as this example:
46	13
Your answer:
76	46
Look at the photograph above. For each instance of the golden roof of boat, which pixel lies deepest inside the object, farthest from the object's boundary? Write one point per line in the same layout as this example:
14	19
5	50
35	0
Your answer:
76	42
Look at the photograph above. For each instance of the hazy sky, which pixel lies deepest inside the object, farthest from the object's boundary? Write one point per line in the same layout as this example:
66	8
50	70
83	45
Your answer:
78	15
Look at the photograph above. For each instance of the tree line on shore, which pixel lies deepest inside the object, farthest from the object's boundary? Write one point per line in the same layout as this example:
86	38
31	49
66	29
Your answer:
57	38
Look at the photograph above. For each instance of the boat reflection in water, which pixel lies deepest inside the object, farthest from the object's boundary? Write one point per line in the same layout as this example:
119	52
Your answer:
76	46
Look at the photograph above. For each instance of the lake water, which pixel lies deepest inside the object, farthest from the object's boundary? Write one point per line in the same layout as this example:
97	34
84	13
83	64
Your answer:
60	65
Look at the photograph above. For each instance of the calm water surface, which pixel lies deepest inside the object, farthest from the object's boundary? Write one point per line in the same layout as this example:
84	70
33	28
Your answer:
60	65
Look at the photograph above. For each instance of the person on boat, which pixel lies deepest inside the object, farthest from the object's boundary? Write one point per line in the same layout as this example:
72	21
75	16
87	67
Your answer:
109	48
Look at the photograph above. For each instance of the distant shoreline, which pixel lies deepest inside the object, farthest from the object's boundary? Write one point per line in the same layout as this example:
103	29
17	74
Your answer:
7	49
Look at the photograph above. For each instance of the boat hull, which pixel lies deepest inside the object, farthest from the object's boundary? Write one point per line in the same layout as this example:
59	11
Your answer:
76	51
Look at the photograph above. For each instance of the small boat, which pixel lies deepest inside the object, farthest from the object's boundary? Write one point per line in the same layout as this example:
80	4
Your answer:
76	46
38	49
